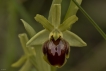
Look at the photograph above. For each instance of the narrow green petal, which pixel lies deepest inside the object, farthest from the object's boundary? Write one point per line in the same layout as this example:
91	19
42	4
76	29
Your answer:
28	28
56	15
39	38
68	22
27	66
73	39
19	62
72	10
42	20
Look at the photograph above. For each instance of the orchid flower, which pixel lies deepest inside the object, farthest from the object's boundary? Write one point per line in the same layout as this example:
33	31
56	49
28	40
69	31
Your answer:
56	38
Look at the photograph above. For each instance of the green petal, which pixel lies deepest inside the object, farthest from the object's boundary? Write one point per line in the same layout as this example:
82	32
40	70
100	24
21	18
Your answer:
28	28
39	38
42	20
68	22
19	62
73	39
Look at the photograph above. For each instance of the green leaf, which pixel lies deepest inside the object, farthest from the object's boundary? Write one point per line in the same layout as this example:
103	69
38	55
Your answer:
42	20
56	15
73	39
39	38
67	23
72	10
28	28
19	62
27	66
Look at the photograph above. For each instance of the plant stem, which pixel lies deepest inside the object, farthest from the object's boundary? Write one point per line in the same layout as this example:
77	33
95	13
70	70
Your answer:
91	20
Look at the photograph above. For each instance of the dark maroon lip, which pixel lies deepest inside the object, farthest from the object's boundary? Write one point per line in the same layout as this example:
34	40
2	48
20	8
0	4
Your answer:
56	51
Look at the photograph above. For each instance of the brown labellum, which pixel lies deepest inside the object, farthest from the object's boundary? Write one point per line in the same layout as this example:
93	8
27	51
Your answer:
56	52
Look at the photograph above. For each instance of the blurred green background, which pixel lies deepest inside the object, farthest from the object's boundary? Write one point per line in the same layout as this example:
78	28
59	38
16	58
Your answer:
89	58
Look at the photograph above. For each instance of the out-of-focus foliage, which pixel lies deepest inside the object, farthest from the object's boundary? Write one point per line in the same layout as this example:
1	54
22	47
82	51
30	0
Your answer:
90	58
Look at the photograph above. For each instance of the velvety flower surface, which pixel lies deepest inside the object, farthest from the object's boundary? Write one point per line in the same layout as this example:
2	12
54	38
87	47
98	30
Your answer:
56	51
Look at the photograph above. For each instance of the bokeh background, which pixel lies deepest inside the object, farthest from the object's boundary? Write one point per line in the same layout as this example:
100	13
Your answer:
89	58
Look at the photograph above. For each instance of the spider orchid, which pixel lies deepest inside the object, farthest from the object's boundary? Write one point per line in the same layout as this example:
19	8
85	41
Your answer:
56	38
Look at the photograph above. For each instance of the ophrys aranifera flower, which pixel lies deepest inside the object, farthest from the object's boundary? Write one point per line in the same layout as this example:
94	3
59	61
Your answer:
55	38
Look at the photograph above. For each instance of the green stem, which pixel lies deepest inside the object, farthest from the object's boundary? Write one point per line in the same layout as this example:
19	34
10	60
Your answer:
91	20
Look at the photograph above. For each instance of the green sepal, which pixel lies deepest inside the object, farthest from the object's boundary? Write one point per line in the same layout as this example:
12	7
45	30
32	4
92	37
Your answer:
67	23
42	20
39	38
73	39
27	66
56	15
19	62
28	28
50	12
